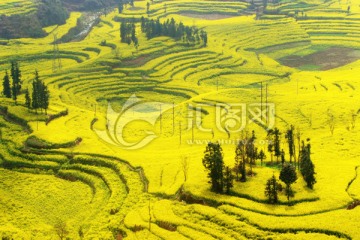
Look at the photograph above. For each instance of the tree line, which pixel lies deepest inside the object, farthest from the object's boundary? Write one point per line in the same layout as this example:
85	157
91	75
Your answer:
122	3
221	177
154	28
178	31
48	13
12	85
11	89
128	32
40	95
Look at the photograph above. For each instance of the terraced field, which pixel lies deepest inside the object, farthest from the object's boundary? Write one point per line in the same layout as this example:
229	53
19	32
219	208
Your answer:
10	7
59	169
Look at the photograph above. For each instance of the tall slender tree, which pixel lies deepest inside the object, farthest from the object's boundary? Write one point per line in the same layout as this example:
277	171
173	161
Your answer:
120	6
271	190
261	156
277	151
16	80
27	99
240	159
134	39
147	7
228	179
282	157
45	98
36	86
40	94
6	85
307	167
213	162
251	151
291	141
270	143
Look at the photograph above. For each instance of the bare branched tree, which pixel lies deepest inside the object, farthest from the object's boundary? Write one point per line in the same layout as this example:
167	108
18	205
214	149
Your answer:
61	229
331	122
185	166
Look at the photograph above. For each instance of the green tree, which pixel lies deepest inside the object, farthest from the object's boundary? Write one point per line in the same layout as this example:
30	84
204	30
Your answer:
6	85
307	167
277	151
40	94
282	157
27	99
120	6
240	159
213	162
147	7
204	37
228	179
134	39
45	98
270	140
265	2
36	86
288	176
272	188
291	142
261	156
251	150
16	80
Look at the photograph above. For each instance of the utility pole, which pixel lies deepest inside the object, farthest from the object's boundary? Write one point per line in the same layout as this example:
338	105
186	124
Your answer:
56	58
261	96
266	99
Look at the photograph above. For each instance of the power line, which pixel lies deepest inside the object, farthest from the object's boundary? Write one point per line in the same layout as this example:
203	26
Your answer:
56	55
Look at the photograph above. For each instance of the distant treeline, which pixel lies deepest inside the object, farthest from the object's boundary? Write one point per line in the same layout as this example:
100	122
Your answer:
178	31
88	5
122	3
128	32
49	12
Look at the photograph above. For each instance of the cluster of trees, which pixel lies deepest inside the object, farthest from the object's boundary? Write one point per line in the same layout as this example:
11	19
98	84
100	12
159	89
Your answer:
12	89
246	153
49	12
122	3
40	95
221	177
307	167
128	32
288	176
274	140
154	28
